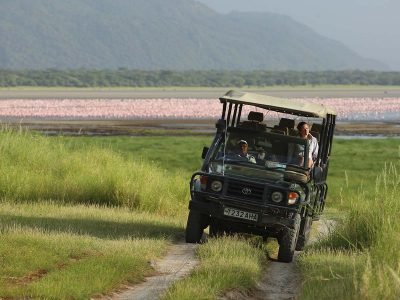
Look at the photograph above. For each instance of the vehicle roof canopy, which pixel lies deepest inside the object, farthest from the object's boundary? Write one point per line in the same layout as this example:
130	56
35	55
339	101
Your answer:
278	104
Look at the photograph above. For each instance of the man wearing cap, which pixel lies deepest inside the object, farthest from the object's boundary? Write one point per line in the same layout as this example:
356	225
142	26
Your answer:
243	147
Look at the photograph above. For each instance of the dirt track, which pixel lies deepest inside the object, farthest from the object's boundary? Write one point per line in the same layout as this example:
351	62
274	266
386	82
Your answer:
280	280
178	262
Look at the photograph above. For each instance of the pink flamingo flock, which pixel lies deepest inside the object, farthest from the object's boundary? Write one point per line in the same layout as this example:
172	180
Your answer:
374	109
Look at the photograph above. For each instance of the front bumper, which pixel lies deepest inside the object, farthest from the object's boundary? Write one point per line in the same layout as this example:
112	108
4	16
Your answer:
271	216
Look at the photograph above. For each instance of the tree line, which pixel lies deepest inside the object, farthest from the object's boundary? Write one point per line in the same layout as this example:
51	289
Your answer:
140	78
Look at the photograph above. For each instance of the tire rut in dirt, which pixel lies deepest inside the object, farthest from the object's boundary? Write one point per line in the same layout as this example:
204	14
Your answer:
178	263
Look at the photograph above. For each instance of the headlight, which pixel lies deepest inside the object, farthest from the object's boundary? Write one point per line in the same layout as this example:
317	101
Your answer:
203	182
216	186
292	198
277	197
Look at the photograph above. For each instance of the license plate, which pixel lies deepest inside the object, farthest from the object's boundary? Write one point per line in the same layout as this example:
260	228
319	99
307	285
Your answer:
241	214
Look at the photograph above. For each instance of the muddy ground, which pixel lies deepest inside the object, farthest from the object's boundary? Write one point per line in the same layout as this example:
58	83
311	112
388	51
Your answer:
175	127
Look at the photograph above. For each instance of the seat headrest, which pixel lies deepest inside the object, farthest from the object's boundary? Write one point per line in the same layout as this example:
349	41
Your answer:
289	123
316	127
255	116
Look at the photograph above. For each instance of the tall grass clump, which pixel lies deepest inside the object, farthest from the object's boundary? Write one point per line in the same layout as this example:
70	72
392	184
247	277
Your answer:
225	263
363	251
35	168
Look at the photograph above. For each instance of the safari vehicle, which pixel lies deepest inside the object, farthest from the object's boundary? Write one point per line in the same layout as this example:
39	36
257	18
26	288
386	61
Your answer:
271	195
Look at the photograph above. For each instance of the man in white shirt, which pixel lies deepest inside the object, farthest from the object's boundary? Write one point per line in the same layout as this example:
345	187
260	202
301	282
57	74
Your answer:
304	132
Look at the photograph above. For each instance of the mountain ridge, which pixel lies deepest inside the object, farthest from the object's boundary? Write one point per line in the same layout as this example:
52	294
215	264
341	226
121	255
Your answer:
155	35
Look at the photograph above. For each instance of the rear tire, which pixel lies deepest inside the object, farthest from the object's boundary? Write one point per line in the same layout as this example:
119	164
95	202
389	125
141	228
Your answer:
288	241
304	233
195	226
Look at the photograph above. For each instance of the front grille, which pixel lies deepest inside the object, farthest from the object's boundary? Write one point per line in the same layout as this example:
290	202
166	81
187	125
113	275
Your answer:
245	190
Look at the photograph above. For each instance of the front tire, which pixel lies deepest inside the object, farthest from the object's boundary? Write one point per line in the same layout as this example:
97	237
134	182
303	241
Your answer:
215	229
288	241
304	233
218	228
195	226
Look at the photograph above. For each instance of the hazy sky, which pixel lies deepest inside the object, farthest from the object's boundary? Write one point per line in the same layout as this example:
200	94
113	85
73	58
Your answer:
369	27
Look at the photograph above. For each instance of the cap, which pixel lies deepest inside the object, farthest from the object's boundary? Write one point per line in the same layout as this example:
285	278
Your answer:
242	142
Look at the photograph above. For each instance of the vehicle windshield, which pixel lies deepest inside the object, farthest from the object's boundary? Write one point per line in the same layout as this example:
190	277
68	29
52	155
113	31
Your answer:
259	154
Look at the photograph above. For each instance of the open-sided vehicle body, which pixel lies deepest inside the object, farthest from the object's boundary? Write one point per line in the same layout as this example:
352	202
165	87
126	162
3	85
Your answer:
273	194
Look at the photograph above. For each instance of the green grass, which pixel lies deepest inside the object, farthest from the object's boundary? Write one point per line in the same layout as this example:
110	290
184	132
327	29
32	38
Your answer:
84	218
355	165
35	168
226	263
361	258
55	251
70	201
177	153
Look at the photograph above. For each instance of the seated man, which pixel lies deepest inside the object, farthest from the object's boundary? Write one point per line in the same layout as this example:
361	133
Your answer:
296	152
242	151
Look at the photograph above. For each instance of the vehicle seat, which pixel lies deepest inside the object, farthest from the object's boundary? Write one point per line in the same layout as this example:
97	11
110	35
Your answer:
284	122
315	130
279	150
254	121
283	131
255	116
293	132
315	134
316	127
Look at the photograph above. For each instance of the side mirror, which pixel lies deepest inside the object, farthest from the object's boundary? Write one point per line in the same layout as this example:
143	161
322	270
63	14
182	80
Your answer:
204	153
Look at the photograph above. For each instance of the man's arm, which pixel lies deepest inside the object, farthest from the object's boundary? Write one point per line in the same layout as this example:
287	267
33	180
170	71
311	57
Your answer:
315	150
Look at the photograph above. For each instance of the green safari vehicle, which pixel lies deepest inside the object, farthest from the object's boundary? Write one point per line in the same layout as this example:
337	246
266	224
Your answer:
258	175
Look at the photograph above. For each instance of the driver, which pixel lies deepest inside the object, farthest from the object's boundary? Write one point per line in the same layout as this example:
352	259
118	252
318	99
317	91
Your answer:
242	151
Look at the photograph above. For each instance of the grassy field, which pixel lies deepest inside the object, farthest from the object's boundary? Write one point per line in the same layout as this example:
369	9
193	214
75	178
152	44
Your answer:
361	258
53	251
177	153
356	164
35	168
78	206
84	219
